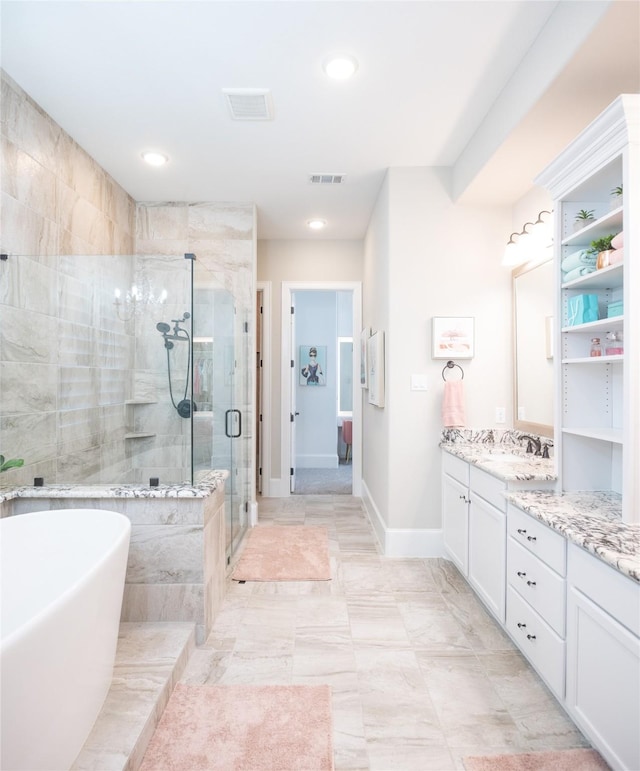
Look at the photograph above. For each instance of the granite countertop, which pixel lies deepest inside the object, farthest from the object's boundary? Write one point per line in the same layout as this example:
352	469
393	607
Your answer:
207	485
592	520
505	461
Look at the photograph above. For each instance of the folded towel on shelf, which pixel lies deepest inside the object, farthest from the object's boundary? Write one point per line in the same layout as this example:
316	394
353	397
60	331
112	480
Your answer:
577	272
578	259
453	412
617	242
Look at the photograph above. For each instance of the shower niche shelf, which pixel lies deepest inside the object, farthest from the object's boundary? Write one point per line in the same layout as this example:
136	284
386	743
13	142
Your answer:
139	436
133	402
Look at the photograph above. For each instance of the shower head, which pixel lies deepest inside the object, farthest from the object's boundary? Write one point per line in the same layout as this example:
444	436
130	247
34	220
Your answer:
162	327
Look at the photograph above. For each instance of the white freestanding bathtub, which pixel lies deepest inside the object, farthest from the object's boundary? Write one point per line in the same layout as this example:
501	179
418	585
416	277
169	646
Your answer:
61	595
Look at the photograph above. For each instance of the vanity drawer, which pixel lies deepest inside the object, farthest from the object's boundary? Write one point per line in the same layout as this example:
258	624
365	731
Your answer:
455	467
539	539
539	643
540	586
488	487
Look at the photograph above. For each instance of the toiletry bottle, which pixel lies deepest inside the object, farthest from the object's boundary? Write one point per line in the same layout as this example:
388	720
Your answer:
614	346
596	348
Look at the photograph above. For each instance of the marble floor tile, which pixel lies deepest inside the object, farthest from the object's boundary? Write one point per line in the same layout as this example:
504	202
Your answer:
421	674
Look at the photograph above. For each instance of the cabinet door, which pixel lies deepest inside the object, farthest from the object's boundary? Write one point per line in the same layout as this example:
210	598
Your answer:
455	524
603	672
487	554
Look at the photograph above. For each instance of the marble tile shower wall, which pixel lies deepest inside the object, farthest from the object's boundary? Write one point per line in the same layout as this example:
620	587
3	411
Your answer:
64	357
67	372
222	236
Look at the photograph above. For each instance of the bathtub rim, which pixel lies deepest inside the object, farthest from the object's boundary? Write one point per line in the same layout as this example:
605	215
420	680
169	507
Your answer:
8	641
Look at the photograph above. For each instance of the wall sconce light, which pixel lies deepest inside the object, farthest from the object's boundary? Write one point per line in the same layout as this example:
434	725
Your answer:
134	301
526	245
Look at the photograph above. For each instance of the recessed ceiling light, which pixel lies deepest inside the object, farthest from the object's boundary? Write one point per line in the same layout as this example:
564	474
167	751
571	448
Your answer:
316	224
154	158
340	66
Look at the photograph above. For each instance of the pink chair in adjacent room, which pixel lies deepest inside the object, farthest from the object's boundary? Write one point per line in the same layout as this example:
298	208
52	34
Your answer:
347	432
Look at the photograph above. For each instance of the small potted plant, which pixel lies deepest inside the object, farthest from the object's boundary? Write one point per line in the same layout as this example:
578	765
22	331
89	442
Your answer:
583	218
601	247
616	197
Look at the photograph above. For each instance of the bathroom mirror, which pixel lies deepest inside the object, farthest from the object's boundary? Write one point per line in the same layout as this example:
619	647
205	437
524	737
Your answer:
533	310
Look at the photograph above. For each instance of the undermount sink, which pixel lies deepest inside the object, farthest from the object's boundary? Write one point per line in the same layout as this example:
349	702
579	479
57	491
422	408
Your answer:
508	457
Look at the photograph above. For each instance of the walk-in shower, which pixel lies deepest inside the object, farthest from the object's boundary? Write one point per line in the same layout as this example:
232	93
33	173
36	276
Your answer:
90	396
185	407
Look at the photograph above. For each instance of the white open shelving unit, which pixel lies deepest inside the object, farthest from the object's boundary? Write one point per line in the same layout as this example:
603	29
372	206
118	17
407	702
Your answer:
597	431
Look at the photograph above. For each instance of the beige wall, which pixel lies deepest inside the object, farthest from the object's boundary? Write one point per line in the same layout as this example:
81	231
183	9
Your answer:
278	261
441	259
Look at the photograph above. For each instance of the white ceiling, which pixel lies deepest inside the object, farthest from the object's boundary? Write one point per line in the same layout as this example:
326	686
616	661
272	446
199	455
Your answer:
493	89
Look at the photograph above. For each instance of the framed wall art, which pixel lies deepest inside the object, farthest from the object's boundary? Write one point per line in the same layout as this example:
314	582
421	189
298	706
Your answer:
375	368
452	337
364	337
313	365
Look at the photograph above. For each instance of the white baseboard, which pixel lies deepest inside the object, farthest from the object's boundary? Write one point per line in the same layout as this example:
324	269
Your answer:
317	461
402	542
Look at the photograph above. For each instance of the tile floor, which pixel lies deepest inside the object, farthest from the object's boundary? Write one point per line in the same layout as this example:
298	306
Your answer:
421	674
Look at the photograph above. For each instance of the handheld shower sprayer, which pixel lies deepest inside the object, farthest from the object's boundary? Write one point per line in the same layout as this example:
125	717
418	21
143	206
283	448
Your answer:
185	406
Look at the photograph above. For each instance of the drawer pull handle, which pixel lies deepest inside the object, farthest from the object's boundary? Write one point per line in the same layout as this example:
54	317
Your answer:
531	583
531	538
521	574
531	637
521	531
521	626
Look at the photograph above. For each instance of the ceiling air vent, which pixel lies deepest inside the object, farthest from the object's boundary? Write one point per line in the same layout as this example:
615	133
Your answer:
249	103
327	179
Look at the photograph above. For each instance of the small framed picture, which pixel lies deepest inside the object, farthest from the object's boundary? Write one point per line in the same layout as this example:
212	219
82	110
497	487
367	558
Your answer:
375	366
452	337
313	365
364	379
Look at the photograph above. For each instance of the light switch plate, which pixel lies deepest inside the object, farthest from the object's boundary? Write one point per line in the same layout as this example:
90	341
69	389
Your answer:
419	383
501	415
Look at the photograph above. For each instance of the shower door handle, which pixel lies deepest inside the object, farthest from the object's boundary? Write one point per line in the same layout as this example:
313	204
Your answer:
229	431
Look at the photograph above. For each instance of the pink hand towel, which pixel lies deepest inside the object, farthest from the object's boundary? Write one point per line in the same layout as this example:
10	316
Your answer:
453	415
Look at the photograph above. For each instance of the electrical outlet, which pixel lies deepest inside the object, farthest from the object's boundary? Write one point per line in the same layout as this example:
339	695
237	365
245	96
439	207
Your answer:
501	415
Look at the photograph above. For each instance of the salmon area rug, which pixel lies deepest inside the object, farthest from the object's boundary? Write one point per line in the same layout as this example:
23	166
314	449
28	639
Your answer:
561	760
284	553
243	728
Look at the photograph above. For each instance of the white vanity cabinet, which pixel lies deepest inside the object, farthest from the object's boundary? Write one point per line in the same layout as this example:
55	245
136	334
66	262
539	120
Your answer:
603	657
455	508
536	589
487	539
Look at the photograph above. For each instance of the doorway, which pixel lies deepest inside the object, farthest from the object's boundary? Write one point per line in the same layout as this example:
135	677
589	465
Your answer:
316	373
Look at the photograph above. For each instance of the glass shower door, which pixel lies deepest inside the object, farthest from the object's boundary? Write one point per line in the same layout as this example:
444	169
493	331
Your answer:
218	426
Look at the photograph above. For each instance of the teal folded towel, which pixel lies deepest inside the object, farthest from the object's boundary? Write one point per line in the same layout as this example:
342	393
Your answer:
578	259
577	272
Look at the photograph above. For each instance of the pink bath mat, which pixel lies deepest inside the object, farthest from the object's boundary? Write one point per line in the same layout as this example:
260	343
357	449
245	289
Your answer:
284	553
243	728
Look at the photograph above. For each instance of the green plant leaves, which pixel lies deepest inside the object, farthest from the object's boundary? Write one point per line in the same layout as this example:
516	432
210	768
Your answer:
12	463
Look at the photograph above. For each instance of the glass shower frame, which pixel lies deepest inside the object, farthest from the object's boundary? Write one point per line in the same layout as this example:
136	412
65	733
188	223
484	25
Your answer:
84	396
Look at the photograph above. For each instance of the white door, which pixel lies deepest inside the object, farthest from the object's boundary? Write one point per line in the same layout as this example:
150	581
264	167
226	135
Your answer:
293	390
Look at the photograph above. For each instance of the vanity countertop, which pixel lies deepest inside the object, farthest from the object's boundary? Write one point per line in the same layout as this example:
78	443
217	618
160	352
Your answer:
505	461
592	520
